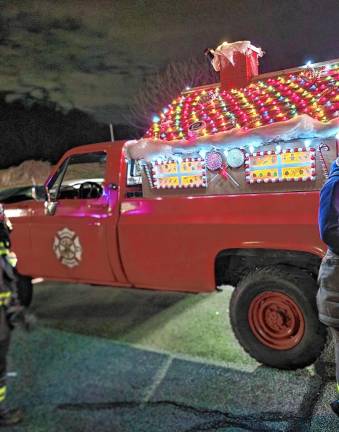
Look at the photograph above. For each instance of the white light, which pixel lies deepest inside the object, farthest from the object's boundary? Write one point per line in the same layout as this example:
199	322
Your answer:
278	149
203	153
337	136
307	143
309	63
188	88
251	148
156	119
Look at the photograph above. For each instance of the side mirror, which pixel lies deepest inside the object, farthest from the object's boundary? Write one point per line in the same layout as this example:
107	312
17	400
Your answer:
50	205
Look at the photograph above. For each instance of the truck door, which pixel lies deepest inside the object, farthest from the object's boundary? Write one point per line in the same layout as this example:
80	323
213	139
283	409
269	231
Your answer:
69	233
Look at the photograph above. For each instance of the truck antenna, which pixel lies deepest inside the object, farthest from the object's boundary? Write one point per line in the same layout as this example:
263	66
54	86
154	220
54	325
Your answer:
111	131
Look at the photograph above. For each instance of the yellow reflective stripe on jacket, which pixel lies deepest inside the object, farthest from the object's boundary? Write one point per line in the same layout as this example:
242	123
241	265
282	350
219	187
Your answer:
4	298
338	387
3	249
3	393
12	259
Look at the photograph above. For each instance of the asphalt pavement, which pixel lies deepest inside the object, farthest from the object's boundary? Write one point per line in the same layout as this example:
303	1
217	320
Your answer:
121	360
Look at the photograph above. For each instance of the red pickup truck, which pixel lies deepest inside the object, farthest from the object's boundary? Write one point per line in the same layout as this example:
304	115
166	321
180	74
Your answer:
235	207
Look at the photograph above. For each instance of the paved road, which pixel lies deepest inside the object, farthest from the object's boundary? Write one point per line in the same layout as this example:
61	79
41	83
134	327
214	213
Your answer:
138	361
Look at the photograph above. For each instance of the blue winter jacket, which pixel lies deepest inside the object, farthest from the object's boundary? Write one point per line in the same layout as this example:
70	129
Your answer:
329	210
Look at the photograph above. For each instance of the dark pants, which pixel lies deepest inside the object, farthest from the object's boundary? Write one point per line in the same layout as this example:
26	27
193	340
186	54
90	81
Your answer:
5	337
328	299
328	293
335	335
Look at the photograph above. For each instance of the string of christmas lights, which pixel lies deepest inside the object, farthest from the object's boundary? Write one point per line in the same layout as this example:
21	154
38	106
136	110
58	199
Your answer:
312	92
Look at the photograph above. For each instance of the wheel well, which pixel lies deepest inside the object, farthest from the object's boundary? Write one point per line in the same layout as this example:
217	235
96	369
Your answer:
232	264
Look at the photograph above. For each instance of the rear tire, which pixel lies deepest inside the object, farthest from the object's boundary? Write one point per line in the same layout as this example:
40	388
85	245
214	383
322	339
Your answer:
25	290
274	316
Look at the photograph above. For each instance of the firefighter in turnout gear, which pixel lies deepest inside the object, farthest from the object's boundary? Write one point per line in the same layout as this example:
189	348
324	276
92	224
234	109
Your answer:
328	279
10	311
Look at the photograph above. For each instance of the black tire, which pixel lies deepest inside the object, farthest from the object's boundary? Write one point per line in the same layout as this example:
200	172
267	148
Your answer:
301	290
25	290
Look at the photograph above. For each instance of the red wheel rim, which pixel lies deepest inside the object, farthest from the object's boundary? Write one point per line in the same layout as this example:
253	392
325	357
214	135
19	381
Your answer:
276	320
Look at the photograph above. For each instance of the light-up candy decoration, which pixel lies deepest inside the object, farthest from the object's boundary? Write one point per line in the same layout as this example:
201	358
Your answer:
215	162
178	173
289	165
312	74
194	128
321	148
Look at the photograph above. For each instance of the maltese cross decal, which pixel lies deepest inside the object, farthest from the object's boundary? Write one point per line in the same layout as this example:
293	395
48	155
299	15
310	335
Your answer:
67	247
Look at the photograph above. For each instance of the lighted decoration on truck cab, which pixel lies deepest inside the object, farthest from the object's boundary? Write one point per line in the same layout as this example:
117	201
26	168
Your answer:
288	165
178	173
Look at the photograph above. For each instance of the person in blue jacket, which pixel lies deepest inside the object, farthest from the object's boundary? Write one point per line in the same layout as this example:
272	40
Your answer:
328	279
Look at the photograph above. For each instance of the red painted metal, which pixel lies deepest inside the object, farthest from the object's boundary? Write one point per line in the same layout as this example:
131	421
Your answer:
276	320
240	73
160	243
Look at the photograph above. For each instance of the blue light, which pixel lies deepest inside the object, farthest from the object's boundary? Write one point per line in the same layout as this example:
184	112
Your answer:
156	119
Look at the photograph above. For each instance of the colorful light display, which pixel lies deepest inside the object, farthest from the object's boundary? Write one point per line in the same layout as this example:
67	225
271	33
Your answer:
178	173
214	160
262	102
289	165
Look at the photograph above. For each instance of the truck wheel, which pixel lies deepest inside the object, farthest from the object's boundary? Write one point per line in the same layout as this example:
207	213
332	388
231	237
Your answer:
25	290
274	317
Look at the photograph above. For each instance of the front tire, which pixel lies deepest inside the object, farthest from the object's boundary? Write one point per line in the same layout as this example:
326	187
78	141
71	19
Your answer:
274	316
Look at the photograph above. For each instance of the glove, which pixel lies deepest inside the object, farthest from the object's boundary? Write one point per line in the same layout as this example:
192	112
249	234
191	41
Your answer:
17	316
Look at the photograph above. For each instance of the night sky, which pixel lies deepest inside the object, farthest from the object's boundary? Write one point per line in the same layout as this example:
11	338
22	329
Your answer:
94	55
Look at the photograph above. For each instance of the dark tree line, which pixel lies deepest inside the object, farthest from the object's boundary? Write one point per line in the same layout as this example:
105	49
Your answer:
41	130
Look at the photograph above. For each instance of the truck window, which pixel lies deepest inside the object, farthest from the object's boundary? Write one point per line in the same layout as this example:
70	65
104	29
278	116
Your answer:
54	183
81	178
133	179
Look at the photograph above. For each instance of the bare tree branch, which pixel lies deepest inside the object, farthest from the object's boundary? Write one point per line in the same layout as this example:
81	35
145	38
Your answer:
161	88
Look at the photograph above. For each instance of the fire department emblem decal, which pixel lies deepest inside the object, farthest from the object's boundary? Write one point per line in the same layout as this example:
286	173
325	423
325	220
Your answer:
67	248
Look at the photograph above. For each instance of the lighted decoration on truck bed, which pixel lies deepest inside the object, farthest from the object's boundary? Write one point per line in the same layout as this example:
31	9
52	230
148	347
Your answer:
175	173
288	165
277	133
290	155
